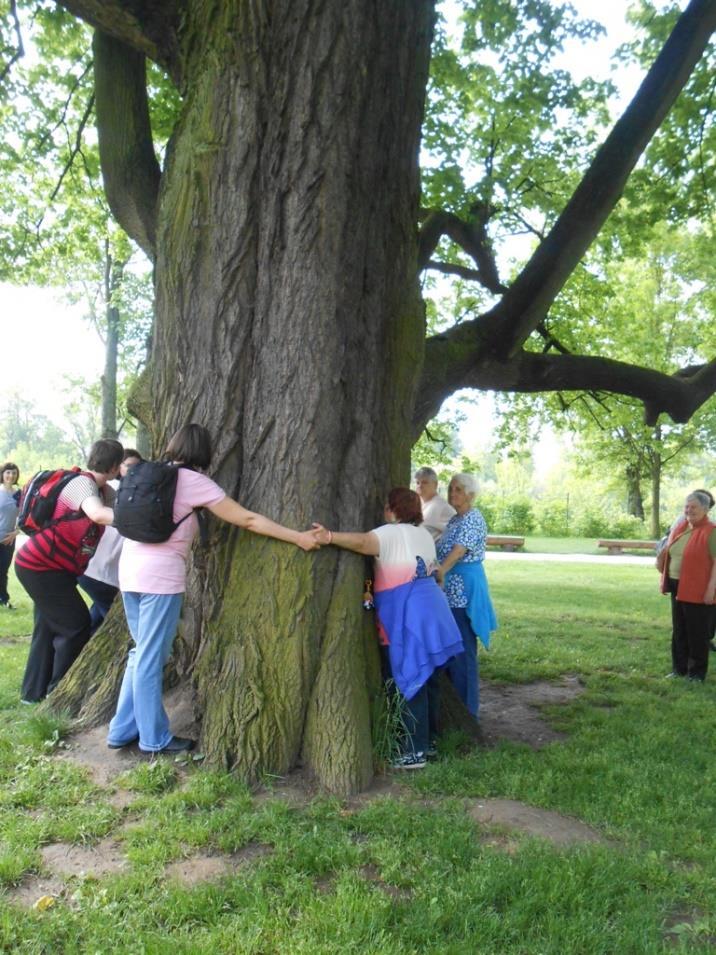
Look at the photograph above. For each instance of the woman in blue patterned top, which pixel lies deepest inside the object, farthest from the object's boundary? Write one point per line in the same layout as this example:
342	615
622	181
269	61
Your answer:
461	551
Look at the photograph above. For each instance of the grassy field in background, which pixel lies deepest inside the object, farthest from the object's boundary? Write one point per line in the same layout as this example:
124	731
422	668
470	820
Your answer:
409	872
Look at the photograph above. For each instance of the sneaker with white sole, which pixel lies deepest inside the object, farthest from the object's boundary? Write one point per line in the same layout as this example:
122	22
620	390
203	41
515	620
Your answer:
409	761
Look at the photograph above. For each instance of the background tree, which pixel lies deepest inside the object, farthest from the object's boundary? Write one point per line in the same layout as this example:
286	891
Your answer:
57	229
289	319
655	307
30	437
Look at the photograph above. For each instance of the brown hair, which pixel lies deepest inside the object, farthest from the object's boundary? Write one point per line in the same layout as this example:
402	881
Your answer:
191	445
9	466
131	453
405	504
105	455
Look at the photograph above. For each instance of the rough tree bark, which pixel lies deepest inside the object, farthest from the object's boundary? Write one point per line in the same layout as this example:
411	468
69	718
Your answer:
288	319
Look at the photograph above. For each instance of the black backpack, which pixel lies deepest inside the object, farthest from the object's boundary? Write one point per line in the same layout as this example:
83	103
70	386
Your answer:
144	506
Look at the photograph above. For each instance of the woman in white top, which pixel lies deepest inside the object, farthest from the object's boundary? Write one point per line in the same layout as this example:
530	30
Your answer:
413	618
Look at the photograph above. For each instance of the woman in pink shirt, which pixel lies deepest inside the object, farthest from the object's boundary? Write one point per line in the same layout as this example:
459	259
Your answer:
152	581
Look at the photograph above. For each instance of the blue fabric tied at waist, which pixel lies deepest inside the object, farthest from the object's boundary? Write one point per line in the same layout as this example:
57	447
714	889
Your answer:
479	606
421	630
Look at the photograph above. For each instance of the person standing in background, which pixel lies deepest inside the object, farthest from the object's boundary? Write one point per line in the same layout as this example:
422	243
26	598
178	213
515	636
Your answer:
9	500
436	510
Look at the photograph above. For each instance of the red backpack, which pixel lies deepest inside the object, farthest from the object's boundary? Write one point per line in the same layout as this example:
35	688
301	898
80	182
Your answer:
39	500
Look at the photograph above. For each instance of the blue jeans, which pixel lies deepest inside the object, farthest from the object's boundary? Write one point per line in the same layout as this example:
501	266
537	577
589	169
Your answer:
152	620
463	669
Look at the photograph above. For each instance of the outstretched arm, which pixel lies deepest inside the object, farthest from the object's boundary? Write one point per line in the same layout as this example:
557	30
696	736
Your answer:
367	544
231	511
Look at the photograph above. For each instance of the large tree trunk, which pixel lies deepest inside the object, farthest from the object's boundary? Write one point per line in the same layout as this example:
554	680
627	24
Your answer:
289	322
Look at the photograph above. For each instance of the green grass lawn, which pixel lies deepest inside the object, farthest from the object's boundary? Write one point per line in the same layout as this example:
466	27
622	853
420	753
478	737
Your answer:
412	873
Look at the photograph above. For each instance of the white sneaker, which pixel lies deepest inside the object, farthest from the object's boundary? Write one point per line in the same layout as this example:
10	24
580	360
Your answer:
409	761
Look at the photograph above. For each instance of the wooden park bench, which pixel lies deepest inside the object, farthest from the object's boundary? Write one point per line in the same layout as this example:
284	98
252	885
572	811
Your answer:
618	547
505	542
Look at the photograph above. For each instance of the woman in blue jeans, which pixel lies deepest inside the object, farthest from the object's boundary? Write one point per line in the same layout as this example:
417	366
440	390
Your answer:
461	551
152	582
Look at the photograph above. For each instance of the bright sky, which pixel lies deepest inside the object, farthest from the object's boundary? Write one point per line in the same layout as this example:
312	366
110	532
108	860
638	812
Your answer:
50	339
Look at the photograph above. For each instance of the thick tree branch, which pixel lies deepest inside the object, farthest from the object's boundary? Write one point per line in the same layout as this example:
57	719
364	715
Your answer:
470	236
514	318
477	353
129	167
678	395
149	27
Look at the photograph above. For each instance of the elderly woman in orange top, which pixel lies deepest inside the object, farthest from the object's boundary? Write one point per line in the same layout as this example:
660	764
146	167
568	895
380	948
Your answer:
689	575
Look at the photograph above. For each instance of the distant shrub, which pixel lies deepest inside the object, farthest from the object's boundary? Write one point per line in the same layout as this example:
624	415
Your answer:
515	517
488	508
590	522
608	521
553	518
626	526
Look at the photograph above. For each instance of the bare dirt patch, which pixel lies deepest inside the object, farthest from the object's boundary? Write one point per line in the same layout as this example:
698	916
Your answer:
371	874
121	799
65	861
104	858
33	888
530	820
512	712
89	747
207	867
681	924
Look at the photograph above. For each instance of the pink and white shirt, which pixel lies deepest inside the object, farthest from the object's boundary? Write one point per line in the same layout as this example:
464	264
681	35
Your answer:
400	547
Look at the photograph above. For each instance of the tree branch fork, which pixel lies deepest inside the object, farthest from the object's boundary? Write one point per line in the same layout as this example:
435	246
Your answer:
488	352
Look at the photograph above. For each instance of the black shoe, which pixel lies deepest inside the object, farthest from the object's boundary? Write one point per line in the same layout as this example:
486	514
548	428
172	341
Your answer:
177	744
129	742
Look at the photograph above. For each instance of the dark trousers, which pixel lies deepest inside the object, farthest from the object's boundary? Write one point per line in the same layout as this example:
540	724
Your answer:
62	628
6	552
421	714
101	595
692	627
464	669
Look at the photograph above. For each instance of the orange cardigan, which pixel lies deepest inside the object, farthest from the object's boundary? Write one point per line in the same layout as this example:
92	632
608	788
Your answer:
696	564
